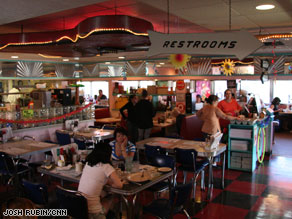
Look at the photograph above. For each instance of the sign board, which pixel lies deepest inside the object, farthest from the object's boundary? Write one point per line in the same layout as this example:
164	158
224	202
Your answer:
27	113
231	84
240	43
180	85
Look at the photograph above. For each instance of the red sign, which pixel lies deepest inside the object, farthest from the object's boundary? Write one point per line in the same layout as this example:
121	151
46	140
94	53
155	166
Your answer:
180	85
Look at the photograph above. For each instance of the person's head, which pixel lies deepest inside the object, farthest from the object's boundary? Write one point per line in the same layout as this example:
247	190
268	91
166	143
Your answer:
198	98
276	101
144	93
18	203
100	92
212	100
101	154
228	94
133	98
120	134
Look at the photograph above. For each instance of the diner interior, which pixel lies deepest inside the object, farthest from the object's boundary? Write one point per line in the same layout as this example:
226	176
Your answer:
98	120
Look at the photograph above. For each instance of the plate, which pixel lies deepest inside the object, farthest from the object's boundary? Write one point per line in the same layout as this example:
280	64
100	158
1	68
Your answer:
138	177
164	169
65	167
147	167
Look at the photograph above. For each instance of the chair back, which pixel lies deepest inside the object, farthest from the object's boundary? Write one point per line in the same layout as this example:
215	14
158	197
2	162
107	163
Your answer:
180	195
152	151
109	127
163	161
36	192
186	156
63	138
7	166
73	201
81	143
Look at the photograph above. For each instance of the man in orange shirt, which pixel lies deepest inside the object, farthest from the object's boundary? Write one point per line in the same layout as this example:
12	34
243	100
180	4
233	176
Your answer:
229	106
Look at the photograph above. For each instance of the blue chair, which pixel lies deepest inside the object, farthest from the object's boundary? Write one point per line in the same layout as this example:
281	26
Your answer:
73	201
83	144
152	151
36	192
63	138
11	168
162	161
166	208
187	160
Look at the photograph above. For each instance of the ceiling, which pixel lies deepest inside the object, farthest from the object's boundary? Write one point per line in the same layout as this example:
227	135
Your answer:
186	16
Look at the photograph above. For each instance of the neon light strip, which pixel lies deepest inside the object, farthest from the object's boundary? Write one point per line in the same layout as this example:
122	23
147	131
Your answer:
50	57
76	37
274	36
244	63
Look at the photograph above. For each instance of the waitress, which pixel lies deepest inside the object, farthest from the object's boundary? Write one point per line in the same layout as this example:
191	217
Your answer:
229	105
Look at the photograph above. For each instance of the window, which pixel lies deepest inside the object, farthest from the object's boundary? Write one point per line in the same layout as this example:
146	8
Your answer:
219	88
283	90
257	88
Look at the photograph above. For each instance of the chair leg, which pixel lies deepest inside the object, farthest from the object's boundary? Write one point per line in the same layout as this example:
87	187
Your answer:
203	180
194	190
185	173
186	213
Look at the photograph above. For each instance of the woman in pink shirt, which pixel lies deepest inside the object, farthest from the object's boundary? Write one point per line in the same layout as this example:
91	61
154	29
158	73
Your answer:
97	172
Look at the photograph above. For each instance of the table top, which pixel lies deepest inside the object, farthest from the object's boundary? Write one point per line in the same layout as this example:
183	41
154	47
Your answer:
100	134
172	143
108	120
25	147
128	189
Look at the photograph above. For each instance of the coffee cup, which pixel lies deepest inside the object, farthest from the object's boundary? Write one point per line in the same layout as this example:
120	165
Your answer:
78	167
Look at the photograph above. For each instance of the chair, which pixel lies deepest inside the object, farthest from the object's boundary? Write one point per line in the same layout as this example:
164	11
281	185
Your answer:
73	201
10	167
36	192
109	127
166	208
187	158
162	161
63	138
82	143
152	151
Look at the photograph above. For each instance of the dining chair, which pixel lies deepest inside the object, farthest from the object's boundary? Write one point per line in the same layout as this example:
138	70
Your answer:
83	144
12	168
73	201
167	208
187	160
151	151
36	192
63	138
163	161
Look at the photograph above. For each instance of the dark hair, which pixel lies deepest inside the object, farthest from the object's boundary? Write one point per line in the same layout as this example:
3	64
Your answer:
226	91
131	97
144	93
101	154
212	98
198	96
276	101
120	130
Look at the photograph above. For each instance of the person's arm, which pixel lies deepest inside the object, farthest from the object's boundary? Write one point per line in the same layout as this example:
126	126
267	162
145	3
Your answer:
222	115
115	181
122	110
124	147
199	114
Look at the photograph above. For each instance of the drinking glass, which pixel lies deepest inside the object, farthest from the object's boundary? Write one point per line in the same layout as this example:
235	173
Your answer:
128	164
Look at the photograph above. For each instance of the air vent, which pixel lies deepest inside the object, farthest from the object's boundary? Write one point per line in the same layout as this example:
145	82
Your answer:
277	43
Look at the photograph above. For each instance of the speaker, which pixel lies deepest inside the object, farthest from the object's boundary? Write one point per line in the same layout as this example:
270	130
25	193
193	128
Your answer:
188	103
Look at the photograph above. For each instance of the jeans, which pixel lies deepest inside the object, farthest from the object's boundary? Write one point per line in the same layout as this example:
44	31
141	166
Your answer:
144	133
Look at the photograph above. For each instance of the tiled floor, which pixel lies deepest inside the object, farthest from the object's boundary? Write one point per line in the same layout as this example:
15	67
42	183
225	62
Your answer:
265	193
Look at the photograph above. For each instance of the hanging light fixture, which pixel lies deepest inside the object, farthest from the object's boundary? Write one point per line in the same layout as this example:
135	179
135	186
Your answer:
263	5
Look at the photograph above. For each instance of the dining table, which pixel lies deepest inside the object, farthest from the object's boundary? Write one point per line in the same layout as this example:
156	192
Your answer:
108	120
171	143
94	134
131	188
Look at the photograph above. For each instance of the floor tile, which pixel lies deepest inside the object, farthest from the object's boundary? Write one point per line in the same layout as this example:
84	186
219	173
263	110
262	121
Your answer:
260	215
229	174
214	211
218	183
236	199
281	193
254	178
272	205
246	187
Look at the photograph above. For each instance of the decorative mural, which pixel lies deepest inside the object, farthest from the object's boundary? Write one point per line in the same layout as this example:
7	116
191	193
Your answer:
200	66
277	66
115	71
64	70
137	68
91	70
29	69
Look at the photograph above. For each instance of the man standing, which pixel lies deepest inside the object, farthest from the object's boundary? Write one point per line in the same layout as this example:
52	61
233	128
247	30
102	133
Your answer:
144	115
101	96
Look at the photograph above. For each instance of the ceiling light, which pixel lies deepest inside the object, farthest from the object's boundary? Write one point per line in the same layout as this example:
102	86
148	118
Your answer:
161	63
121	57
65	60
107	63
14	57
158	65
265	7
76	58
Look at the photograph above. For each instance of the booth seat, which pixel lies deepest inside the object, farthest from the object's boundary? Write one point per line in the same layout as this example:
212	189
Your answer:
191	128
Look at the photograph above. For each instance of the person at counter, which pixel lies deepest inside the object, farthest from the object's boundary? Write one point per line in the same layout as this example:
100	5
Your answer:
275	107
210	115
199	99
131	117
96	173
101	96
121	147
229	105
144	116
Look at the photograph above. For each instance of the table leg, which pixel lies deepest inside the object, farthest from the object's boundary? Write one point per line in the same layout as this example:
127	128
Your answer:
130	206
210	181
223	169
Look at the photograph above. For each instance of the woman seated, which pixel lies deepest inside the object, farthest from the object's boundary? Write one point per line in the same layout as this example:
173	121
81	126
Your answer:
121	147
96	173
210	114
